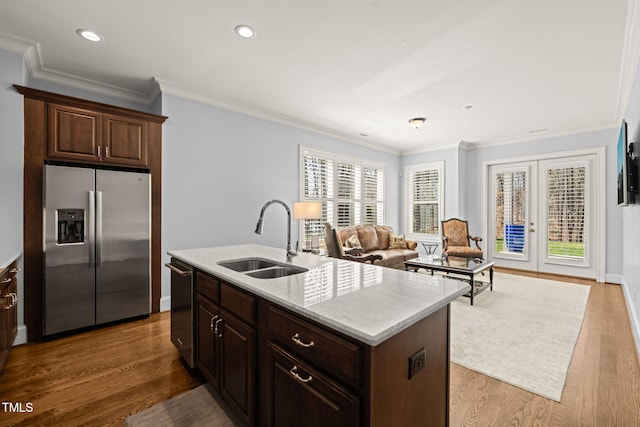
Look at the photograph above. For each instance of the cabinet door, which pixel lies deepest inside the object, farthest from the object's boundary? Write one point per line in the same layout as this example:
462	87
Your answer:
299	395
74	133
125	141
238	385
207	351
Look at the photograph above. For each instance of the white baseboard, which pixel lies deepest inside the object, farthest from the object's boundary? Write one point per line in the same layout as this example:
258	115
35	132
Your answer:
165	303
21	337
633	318
613	278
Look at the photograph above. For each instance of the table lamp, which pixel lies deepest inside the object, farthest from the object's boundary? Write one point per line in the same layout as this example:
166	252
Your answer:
306	211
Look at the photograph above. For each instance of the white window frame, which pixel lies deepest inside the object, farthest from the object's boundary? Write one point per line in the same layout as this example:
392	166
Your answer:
408	173
338	158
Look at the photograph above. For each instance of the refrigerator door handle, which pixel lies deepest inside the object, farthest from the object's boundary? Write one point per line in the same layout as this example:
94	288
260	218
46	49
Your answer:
98	228
91	228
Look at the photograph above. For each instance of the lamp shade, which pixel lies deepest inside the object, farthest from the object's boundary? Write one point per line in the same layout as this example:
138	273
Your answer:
307	210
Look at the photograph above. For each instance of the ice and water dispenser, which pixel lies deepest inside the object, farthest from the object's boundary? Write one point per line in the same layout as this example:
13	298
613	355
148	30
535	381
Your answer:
70	226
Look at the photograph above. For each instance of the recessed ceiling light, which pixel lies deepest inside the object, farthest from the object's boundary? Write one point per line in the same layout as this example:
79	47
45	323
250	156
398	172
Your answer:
89	35
245	31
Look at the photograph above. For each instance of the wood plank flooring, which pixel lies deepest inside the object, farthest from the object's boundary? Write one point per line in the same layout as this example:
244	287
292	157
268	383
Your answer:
100	377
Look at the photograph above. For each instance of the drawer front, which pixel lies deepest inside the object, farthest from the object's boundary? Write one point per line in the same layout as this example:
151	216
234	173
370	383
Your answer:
208	286
240	304
336	356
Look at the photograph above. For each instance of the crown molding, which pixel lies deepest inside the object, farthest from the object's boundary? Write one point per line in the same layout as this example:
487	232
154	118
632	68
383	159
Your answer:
283	119
33	60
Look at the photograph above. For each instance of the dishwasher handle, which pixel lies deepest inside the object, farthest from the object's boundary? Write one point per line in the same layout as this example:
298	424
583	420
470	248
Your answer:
183	273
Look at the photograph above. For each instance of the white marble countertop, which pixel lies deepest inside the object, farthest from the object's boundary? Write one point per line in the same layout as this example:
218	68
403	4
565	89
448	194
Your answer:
366	302
7	257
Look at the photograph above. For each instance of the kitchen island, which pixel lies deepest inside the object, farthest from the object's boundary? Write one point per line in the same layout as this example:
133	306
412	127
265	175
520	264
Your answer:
336	343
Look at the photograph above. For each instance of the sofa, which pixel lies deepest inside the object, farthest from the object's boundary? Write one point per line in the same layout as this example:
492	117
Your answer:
379	240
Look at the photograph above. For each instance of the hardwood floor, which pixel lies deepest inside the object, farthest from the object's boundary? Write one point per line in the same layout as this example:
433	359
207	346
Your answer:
603	382
101	377
95	378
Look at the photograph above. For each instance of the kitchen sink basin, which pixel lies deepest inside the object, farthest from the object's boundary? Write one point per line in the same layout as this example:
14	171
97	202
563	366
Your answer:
247	264
261	268
275	272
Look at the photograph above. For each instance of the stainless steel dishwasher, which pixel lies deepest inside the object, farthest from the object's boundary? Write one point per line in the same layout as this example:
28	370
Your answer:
182	334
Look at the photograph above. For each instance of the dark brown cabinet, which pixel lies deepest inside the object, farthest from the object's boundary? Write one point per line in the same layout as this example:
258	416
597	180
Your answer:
298	394
8	310
125	140
279	368
83	135
226	345
74	133
70	130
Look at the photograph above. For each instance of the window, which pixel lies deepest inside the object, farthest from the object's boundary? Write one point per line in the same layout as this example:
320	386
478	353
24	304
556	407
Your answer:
424	189
351	191
566	200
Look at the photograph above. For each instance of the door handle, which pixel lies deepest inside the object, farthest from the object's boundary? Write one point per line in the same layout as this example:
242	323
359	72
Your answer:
98	228
531	230
92	228
182	273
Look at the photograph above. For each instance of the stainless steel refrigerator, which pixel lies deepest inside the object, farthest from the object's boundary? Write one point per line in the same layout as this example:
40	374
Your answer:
97	247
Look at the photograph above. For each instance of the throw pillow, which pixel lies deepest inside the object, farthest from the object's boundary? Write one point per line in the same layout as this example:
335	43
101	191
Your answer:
397	242
353	241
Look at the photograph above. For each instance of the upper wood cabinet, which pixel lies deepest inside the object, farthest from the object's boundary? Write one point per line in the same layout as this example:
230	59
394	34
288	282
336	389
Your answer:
125	140
83	135
74	133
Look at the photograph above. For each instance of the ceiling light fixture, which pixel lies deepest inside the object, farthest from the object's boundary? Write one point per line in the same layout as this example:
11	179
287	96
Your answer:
417	122
92	36
244	31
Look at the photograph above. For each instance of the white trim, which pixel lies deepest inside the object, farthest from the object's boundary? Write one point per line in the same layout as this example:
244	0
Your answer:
599	197
21	337
165	303
408	170
633	317
629	60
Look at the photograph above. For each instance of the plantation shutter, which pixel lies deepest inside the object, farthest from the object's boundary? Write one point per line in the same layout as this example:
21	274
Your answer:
346	194
372	202
424	201
566	189
351	192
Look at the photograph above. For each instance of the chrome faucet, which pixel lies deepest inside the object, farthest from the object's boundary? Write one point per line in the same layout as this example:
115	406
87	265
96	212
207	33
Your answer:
290	253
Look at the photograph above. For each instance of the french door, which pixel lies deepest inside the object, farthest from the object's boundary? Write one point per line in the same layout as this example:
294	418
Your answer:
542	215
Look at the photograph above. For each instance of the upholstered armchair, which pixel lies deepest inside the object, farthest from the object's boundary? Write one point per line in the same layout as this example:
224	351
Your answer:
456	240
336	250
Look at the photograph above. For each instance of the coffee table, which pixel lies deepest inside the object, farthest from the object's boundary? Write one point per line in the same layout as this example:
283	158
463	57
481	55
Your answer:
455	267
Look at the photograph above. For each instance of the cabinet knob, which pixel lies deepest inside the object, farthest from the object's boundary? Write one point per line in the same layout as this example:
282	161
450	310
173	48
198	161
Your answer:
294	373
296	339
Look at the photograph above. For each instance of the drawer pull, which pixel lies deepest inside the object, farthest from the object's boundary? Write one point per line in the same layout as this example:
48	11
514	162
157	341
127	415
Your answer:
7	280
217	329
14	270
211	324
294	373
296	339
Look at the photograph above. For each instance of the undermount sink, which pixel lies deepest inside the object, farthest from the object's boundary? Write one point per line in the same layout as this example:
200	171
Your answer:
247	264
274	272
261	268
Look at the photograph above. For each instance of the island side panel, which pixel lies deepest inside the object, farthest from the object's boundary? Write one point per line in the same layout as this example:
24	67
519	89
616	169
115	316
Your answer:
423	399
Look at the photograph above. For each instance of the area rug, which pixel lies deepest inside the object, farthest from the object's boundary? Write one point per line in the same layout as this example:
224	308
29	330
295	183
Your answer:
522	333
201	406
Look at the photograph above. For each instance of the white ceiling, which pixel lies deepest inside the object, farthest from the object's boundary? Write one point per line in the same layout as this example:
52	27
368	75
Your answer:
529	69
